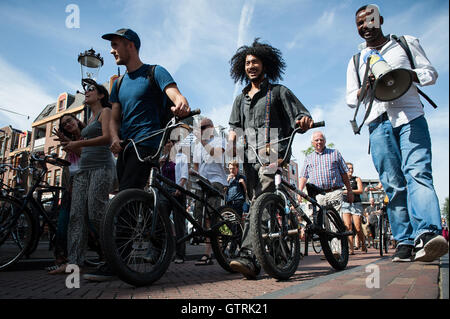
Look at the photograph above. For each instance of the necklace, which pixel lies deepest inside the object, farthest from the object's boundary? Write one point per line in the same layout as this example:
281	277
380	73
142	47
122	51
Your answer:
380	45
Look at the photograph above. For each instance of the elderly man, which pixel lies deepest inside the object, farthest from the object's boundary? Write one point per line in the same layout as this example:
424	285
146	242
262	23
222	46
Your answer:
208	162
400	141
326	169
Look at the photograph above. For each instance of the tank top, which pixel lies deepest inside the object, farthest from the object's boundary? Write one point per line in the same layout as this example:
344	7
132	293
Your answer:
93	157
354	185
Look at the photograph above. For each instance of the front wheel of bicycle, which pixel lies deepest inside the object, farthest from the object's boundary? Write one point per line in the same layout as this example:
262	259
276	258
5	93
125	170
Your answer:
277	250
15	238
334	245
227	243
133	253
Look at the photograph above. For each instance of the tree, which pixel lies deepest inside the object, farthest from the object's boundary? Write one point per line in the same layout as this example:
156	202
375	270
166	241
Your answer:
310	149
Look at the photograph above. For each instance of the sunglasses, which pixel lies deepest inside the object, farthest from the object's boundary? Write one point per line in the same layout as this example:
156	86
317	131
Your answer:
205	127
91	88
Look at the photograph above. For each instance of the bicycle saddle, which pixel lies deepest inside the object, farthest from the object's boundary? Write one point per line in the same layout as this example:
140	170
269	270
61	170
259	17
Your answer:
205	185
314	190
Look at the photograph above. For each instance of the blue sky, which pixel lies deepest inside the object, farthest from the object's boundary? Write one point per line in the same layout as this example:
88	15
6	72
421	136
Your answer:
195	39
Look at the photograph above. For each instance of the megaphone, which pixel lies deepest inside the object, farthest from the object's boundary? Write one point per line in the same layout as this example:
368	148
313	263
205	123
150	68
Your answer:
389	84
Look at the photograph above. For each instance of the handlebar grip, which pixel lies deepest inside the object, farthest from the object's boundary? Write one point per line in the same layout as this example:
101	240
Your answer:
318	124
195	112
191	113
124	143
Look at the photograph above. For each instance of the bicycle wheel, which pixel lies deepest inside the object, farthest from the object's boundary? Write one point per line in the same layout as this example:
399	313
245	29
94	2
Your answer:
315	241
278	252
381	234
228	241
334	245
386	237
15	239
133	255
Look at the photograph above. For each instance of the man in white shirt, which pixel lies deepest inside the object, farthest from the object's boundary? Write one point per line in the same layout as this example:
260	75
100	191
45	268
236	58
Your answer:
208	161
400	143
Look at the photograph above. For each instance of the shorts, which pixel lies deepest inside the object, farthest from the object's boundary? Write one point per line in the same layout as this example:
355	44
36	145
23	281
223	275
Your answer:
354	209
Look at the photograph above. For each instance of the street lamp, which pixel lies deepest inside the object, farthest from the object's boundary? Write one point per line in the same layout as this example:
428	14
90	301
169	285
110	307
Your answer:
90	64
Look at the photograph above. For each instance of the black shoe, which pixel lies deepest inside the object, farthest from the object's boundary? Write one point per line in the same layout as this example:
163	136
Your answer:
245	266
403	253
103	273
429	247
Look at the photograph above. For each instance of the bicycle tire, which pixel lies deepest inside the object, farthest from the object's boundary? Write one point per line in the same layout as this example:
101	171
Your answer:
332	222
15	240
36	234
229	237
317	250
381	235
125	238
278	256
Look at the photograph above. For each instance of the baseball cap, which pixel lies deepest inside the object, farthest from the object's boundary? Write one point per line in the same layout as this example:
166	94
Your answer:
125	33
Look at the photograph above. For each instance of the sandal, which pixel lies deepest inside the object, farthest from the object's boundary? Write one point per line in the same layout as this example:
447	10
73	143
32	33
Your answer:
60	270
204	261
51	268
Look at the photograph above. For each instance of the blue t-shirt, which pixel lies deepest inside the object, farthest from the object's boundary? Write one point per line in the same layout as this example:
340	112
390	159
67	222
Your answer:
139	109
235	189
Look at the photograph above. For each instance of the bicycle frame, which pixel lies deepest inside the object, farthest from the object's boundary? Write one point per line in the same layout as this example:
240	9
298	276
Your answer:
28	200
281	189
156	179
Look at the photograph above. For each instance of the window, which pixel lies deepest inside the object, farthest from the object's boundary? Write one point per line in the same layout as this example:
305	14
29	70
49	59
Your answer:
54	127
62	102
49	178
57	178
59	151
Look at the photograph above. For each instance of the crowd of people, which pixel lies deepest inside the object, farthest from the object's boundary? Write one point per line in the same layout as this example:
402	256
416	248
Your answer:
399	143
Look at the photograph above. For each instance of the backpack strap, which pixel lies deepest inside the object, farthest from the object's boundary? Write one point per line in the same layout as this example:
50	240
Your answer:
356	58
402	42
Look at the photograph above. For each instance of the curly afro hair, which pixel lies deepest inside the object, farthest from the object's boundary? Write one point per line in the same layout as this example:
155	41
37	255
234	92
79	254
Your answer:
271	58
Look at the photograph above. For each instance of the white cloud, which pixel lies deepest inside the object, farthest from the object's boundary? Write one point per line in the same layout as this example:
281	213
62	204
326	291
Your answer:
244	23
22	94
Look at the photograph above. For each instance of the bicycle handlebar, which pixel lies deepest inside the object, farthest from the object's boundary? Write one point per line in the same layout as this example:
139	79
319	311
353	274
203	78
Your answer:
173	123
52	159
290	138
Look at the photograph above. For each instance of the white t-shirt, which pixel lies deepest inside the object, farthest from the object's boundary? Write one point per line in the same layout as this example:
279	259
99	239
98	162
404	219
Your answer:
408	107
211	167
181	168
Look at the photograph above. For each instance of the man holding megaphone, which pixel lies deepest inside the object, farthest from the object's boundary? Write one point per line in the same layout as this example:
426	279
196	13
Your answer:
384	76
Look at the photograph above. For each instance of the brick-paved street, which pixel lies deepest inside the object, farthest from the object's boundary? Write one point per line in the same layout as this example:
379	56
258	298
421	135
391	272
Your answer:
314	279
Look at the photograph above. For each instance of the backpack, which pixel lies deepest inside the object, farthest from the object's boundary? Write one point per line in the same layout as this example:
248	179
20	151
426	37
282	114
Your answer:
164	111
402	42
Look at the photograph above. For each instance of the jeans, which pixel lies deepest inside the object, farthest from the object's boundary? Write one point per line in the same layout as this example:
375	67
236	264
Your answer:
402	157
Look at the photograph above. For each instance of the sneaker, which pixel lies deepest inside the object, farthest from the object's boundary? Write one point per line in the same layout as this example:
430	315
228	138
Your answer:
429	247
245	266
103	273
403	253
178	260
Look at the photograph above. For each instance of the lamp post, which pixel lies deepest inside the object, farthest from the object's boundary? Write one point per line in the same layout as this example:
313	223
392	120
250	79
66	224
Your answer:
90	63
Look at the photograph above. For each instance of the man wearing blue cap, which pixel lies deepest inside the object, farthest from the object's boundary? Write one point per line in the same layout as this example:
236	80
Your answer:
137	100
135	106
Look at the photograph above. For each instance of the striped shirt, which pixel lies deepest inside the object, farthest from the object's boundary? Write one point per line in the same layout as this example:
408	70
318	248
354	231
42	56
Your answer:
325	169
